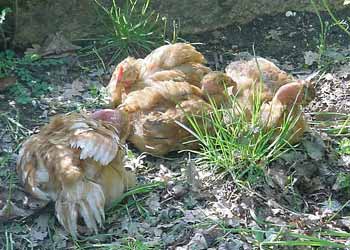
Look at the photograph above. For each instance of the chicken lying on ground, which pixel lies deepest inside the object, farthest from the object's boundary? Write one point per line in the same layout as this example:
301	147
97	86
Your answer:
248	74
256	79
285	107
177	62
156	111
259	81
77	161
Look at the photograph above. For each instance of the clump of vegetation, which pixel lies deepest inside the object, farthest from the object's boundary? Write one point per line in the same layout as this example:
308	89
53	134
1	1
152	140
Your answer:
129	29
3	14
28	85
332	123
237	143
344	146
328	55
267	235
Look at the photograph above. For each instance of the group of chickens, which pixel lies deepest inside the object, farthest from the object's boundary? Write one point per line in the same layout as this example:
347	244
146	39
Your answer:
77	159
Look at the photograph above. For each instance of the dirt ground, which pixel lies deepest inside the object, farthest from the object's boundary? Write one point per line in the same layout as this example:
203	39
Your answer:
186	206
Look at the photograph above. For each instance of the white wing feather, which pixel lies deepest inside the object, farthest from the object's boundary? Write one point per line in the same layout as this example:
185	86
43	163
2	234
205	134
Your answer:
102	147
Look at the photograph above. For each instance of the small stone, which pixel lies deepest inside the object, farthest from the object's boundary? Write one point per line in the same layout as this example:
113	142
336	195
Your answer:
179	190
290	13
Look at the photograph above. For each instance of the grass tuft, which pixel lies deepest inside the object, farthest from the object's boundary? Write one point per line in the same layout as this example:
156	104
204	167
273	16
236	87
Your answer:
129	29
333	123
329	55
271	236
237	143
140	189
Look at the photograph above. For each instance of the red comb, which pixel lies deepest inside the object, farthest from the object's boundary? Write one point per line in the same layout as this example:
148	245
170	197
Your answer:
120	73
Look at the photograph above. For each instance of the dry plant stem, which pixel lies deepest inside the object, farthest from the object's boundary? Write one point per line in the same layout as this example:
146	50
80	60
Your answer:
335	20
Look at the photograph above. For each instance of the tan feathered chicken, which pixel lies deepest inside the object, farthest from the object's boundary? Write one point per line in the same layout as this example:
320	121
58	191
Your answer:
77	161
249	74
256	79
279	94
154	112
176	62
286	107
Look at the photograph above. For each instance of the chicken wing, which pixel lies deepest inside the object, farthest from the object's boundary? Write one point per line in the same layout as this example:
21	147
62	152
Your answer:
176	62
77	161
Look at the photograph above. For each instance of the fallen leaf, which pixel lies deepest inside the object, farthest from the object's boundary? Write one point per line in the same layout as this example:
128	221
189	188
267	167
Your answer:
311	57
329	77
10	211
179	190
274	35
6	82
197	242
232	245
193	216
55	46
37	235
193	177
129	226
153	202
75	89
315	147
330	206
278	176
293	156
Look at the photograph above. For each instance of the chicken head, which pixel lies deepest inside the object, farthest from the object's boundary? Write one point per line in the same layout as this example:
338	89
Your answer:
124	76
214	86
118	118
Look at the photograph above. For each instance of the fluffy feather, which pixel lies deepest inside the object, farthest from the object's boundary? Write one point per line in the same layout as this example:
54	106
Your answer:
156	111
76	161
280	95
174	62
286	104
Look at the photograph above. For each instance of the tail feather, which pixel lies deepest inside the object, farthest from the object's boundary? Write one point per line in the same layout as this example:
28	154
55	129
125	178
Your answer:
84	198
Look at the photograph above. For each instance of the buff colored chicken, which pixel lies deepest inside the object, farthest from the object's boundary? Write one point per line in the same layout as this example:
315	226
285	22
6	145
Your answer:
248	75
77	161
178	62
286	107
156	111
256	79
261	81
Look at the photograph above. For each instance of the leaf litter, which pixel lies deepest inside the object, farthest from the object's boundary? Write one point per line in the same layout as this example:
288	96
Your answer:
194	209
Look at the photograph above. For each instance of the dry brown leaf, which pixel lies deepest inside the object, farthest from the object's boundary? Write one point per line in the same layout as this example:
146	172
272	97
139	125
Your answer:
6	82
55	46
311	57
75	89
10	211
